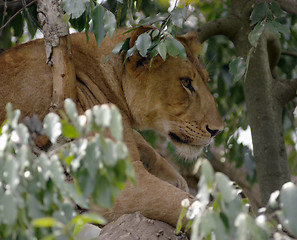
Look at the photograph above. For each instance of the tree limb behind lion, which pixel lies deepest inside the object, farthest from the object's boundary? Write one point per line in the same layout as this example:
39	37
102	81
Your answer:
170	97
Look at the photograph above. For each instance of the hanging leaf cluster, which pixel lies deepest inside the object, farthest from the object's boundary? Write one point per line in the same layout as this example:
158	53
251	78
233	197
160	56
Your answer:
266	16
152	43
82	12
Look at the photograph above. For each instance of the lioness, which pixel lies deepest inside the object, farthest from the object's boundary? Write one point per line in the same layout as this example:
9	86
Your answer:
169	97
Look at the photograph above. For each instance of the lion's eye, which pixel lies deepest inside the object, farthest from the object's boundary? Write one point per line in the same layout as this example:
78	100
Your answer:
187	83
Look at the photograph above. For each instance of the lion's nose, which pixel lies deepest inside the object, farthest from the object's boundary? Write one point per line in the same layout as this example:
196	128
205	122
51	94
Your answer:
213	132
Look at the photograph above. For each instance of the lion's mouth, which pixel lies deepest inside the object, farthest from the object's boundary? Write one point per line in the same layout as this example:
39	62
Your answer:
176	138
186	140
185	147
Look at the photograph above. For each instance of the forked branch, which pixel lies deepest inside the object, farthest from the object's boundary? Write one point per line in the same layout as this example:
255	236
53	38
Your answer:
58	51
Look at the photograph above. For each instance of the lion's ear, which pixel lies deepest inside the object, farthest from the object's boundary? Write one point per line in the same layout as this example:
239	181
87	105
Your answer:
137	32
190	40
135	62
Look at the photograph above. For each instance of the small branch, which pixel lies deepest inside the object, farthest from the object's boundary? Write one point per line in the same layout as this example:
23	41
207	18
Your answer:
3	15
222	26
288	53
284	90
14	15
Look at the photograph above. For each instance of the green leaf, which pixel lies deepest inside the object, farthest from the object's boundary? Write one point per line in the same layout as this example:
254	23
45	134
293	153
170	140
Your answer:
116	128
130	173
259	12
110	155
70	109
103	192
118	48
10	172
74	8
81	220
86	184
179	221
276	28
52	126
18	25
57	171
162	50
256	33
237	68
276	9
98	22
90	218
131	51
68	130
203	194
47	222
143	43
102	115
288	200
207	171
20	135
177	17
175	48
225	186
34	207
3	141
92	158
9	209
76	196
80	23
109	23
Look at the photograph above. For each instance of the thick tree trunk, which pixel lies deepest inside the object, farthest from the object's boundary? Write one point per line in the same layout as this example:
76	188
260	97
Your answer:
264	113
265	95
264	110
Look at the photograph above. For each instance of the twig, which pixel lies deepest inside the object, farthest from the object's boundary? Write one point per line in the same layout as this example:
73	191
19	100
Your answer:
27	12
288	53
14	15
3	16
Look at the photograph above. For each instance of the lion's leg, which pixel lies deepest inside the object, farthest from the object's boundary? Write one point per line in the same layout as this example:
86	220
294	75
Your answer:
157	165
151	196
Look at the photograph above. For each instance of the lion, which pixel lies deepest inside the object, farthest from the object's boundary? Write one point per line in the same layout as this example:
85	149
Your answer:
170	97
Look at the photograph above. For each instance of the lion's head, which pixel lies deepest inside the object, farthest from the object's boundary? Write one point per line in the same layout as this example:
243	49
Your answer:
172	97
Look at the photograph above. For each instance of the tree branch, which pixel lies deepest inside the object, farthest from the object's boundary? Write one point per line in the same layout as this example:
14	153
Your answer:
222	26
285	90
288	53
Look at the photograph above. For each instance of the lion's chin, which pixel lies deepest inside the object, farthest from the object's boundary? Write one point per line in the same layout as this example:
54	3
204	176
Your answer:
185	149
188	152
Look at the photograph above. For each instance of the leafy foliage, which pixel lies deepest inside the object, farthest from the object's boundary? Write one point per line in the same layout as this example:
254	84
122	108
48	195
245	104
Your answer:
220	212
36	200
227	74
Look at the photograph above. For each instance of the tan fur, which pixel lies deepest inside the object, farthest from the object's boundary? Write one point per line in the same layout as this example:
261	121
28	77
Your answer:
148	98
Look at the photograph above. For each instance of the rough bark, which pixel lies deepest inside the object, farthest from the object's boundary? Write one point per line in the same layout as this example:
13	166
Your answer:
264	111
58	51
135	226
